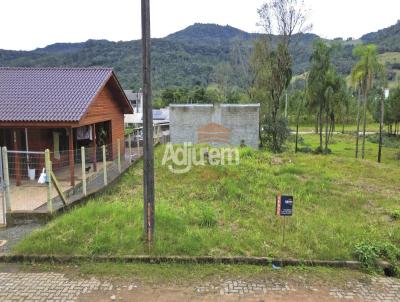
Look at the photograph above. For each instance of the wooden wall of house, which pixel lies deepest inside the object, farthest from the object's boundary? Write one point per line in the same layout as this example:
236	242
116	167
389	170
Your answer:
106	108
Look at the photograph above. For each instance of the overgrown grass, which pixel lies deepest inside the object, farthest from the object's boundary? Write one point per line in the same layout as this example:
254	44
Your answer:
344	146
348	128
180	274
229	210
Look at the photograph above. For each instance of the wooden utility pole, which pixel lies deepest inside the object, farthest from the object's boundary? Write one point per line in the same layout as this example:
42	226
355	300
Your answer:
148	156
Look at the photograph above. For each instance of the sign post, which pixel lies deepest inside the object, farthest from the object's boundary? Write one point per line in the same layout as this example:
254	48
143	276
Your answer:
284	208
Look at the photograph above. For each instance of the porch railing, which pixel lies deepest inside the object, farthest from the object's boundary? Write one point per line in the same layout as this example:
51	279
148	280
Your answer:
75	173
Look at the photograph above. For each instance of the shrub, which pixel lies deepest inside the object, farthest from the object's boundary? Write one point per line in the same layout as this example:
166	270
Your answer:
318	150
208	218
292	139
305	149
395	214
246	152
275	134
368	253
387	140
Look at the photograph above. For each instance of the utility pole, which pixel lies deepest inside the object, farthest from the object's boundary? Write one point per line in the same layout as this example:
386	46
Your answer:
148	150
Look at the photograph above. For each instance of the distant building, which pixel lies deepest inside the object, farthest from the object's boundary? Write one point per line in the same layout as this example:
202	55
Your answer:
160	116
223	124
136	101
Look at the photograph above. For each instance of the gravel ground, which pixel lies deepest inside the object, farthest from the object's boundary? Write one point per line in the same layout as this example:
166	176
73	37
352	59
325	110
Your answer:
14	234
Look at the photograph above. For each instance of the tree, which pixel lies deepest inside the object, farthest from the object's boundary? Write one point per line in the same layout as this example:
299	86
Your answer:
272	64
222	77
273	75
284	18
392	118
365	72
356	82
240	62
300	97
326	90
316	88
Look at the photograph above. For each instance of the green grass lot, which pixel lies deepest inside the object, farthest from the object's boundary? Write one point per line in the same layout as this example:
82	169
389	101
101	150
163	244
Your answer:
371	127
344	146
229	210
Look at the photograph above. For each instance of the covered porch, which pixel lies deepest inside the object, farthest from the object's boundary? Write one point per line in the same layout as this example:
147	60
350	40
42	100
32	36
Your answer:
26	150
30	195
26	159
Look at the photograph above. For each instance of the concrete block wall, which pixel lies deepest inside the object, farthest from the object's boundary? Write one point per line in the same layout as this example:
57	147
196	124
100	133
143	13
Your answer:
241	120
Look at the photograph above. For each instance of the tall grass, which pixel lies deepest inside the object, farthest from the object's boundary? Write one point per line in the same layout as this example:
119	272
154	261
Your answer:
229	210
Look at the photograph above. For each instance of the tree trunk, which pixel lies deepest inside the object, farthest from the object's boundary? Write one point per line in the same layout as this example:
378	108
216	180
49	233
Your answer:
275	109
364	126
358	123
320	129
381	130
260	123
331	126
297	128
326	132
316	123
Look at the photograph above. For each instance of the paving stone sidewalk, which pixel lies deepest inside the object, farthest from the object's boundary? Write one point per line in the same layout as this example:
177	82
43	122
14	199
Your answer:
21	286
48	287
378	289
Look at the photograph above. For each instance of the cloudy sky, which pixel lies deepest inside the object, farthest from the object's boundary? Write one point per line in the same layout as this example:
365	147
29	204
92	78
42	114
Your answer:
27	24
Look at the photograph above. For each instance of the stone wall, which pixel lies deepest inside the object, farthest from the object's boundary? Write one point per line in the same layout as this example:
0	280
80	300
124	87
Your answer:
241	120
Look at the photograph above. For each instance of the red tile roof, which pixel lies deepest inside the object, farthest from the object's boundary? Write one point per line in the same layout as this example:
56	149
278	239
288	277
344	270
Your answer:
50	94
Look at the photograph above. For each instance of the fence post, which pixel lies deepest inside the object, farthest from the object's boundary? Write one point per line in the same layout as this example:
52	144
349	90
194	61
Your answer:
83	161
130	147
119	155
6	175
104	165
48	180
154	135
138	143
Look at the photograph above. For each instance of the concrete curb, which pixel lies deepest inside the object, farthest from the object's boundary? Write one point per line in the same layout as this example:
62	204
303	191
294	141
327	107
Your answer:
263	261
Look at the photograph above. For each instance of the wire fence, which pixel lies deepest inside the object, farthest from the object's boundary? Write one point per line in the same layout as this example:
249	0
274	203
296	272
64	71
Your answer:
46	181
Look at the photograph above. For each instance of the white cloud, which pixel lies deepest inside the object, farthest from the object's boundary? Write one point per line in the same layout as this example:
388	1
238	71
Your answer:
27	24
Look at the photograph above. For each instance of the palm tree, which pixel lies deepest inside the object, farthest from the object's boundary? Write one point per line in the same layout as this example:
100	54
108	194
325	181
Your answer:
320	64
356	81
365	71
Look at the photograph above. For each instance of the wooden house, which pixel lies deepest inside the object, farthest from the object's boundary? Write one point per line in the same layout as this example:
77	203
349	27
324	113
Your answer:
61	109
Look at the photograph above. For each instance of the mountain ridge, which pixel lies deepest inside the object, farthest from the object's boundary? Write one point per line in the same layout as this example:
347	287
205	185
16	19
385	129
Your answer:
183	59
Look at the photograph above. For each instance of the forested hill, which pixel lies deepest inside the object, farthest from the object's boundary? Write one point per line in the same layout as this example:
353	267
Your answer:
388	39
185	58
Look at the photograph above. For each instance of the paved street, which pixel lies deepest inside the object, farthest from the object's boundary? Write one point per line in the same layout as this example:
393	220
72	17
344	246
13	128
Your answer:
50	286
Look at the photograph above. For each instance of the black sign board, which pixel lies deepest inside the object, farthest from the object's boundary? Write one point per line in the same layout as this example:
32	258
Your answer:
284	205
